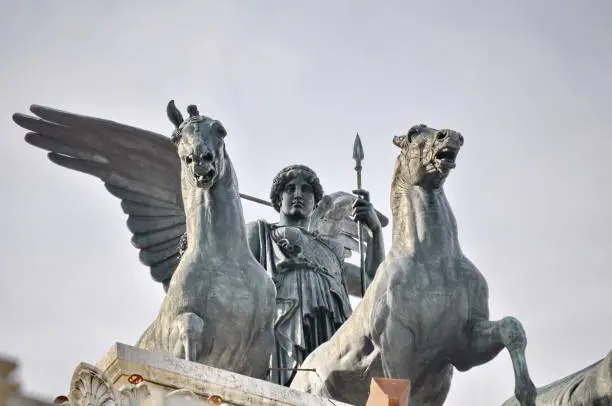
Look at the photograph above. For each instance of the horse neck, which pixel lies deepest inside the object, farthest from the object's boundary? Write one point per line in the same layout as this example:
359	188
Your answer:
423	222
214	217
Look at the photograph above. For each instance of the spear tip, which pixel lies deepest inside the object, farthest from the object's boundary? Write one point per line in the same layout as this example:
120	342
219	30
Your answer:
357	149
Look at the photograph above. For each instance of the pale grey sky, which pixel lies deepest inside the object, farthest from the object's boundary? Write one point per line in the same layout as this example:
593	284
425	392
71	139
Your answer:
527	83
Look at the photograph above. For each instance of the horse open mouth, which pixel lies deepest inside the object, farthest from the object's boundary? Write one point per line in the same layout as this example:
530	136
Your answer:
205	179
446	157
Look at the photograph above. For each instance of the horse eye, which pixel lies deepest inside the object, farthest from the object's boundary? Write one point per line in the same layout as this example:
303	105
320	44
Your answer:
218	127
188	159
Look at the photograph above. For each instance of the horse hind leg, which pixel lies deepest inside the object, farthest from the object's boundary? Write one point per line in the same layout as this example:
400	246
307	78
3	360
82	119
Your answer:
487	338
189	338
433	388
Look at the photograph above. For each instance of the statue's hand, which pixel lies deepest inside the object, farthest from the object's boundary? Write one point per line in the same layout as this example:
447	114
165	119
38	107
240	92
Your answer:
363	211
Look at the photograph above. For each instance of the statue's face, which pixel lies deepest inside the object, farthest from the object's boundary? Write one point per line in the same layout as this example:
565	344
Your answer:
297	199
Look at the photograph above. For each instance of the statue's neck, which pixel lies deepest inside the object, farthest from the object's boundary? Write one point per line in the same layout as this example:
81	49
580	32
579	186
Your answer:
293	221
423	222
214	217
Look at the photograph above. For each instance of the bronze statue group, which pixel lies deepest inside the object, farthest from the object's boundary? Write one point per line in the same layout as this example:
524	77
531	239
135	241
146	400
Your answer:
271	300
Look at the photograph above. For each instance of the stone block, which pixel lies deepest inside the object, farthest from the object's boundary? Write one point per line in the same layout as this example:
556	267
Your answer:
388	392
136	377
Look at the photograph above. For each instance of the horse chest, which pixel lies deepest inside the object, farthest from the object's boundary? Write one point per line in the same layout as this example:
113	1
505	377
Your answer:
430	298
213	289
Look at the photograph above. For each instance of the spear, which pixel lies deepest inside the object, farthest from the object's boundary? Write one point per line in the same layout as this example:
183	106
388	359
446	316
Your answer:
383	219
358	157
256	199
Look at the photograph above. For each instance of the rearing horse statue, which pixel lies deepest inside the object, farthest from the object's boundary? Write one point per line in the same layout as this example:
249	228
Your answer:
220	303
427	307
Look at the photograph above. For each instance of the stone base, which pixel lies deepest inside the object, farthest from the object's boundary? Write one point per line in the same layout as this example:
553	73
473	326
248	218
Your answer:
133	377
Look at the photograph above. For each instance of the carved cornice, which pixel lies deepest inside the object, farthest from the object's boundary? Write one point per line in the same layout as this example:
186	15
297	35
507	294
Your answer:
134	395
90	387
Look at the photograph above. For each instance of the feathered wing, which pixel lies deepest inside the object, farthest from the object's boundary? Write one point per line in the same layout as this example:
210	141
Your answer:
332	218
139	167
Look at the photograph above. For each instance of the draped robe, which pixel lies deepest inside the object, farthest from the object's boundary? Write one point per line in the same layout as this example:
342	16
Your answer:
312	300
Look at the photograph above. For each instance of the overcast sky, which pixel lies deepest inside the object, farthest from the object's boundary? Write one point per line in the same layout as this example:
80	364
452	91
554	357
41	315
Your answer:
527	83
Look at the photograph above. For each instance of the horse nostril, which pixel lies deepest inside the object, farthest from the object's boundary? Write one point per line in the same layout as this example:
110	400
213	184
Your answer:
461	139
207	157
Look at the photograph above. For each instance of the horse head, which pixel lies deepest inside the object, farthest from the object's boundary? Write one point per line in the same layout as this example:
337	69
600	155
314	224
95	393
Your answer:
427	156
200	145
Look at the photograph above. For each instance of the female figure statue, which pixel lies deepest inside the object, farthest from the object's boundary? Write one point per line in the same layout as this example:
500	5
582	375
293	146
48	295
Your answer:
307	267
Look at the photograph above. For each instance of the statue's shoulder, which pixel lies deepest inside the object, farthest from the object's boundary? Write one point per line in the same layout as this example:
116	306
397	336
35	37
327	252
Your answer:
255	230
259	227
256	224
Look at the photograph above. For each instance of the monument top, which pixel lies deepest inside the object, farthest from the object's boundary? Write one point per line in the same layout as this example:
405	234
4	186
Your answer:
126	367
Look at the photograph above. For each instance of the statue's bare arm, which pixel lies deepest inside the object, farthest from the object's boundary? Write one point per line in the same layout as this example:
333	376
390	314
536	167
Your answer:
375	255
375	252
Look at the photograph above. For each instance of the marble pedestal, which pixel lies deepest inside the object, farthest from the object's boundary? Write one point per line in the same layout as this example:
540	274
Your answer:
133	377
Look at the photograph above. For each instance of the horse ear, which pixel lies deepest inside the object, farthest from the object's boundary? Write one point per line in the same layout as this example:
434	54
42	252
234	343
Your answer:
400	140
174	114
192	109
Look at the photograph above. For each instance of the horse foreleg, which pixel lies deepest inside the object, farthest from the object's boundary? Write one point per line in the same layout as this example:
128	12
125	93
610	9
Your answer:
397	352
190	328
429	385
487	339
433	387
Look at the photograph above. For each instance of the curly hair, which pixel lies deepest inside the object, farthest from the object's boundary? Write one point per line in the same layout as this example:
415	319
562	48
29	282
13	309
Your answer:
289	173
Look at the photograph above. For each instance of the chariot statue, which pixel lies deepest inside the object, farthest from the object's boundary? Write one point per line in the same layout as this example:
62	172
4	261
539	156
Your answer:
271	300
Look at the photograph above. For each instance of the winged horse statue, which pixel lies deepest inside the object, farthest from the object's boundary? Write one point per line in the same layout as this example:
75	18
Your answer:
167	201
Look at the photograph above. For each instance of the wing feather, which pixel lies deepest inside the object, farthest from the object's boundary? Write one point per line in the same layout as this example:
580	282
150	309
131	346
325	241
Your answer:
53	145
39	126
145	240
126	194
153	142
156	255
139	167
162	271
145	210
105	173
348	241
147	224
128	153
332	218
